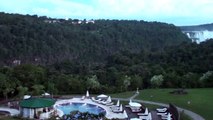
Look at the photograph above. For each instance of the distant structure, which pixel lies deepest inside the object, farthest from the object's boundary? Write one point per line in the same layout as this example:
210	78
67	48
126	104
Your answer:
16	62
74	22
199	36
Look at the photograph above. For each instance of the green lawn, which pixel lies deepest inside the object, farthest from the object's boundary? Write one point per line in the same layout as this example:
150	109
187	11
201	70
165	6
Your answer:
201	100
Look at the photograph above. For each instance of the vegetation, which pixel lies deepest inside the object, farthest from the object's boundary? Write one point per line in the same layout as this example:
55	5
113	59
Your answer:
197	100
42	40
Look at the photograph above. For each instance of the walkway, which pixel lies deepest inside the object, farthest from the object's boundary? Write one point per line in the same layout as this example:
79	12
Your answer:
13	112
191	114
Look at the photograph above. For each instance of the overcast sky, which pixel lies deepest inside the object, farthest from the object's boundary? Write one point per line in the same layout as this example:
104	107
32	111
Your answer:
178	12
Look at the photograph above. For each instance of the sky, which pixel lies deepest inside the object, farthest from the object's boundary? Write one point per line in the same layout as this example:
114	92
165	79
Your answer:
178	12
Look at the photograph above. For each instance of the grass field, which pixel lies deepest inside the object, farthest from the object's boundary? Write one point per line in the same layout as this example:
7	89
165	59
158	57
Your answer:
201	100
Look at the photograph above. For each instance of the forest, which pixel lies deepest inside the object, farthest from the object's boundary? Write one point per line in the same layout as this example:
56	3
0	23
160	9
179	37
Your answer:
65	57
42	40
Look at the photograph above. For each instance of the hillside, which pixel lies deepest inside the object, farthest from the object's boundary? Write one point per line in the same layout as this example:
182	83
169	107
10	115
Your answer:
203	27
42	40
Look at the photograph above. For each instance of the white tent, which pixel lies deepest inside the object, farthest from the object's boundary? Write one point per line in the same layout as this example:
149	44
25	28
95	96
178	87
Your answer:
118	103
87	94
109	99
102	96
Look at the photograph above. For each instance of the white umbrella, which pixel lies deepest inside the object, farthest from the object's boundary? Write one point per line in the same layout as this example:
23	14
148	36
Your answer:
169	117
87	94
121	108
109	99
146	111
149	116
118	103
130	101
125	114
102	96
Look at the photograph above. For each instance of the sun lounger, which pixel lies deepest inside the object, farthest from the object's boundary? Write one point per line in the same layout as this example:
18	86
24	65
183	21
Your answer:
109	104
162	114
146	117
83	97
161	110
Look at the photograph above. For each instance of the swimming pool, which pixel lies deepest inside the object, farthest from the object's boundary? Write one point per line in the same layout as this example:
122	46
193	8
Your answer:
81	107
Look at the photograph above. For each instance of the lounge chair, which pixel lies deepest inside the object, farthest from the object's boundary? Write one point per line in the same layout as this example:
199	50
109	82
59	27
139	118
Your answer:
161	110
145	113
146	117
83	97
162	114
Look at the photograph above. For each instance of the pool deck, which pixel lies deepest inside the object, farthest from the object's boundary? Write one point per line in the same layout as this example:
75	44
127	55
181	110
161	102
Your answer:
109	113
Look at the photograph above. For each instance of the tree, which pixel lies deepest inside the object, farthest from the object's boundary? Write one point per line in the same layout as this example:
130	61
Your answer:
6	85
92	83
22	91
38	89
206	79
156	81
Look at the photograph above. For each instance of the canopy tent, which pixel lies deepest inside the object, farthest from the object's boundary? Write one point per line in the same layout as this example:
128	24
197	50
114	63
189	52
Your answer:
102	96
87	94
37	103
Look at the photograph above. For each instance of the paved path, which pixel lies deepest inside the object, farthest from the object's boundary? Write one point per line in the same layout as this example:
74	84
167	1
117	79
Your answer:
191	114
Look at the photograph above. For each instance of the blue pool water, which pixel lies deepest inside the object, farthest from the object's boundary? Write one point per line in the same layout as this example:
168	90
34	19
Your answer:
82	107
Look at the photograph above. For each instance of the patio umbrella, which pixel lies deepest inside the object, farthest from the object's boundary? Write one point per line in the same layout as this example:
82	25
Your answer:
87	94
118	103
121	108
146	111
169	117
130	101
102	96
109	99
150	116
125	114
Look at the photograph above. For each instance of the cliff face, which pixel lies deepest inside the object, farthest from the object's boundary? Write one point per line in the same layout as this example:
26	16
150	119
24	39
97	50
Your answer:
199	36
198	33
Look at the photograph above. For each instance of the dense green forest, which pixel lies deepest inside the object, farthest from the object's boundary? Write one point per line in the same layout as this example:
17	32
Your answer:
63	57
188	65
33	39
